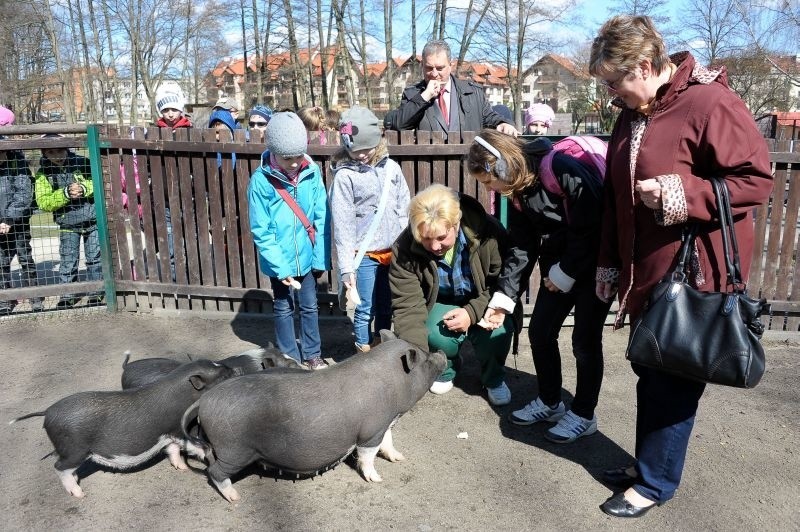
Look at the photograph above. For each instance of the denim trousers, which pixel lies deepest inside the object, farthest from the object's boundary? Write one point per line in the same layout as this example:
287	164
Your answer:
70	248
549	313
283	306
666	407
372	282
491	347
17	242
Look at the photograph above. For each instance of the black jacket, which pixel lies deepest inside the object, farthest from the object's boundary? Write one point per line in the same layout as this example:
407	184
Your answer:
474	111
550	229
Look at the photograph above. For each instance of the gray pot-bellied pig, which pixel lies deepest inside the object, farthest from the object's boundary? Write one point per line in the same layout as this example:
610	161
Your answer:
305	422
123	429
149	370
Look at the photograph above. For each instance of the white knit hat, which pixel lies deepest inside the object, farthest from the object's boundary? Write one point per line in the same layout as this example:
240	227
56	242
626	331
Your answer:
169	100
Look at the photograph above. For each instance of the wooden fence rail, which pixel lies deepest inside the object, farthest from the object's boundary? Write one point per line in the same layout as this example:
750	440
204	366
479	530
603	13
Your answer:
200	183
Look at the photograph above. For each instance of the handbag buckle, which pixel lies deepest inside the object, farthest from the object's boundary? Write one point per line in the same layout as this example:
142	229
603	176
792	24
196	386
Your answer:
674	290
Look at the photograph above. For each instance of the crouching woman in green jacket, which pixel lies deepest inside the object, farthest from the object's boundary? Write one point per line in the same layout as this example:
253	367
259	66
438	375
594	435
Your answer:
445	265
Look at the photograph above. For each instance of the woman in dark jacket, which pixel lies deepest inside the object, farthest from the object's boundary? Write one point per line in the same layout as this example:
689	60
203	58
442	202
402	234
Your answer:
444	268
563	235
680	125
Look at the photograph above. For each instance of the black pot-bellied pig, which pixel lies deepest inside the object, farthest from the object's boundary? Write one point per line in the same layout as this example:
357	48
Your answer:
123	429
149	370
305	422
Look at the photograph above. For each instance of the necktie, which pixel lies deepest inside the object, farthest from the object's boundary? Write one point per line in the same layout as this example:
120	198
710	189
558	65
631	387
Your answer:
443	107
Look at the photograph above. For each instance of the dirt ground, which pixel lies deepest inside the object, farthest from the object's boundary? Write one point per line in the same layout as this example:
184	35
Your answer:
742	473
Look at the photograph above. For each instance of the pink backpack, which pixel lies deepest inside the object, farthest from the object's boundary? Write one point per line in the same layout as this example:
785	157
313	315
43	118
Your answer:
589	151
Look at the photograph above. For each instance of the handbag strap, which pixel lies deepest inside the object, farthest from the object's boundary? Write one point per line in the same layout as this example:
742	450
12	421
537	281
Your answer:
729	244
307	225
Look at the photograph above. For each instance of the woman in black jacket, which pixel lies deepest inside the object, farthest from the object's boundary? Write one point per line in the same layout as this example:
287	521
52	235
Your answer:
563	234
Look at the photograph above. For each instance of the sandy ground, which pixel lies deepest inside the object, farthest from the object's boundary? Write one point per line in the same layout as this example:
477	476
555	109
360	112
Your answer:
743	470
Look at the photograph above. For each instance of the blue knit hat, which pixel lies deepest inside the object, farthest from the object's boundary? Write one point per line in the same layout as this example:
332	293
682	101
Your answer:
286	135
263	111
221	115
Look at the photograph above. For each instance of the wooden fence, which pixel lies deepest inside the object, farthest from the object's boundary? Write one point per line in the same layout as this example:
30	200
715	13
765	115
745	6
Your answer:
201	181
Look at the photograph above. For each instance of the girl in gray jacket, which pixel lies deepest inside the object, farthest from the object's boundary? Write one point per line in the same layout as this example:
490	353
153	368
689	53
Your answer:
363	173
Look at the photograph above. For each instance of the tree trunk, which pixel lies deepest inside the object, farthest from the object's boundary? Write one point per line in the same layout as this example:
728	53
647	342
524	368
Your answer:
258	60
297	83
387	25
323	51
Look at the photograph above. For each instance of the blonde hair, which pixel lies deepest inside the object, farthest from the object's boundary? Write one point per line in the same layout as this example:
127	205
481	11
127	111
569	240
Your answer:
343	154
517	175
332	117
624	42
433	210
314	118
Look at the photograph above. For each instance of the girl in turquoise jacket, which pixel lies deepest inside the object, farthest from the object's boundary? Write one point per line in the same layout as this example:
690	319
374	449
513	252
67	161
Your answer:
292	256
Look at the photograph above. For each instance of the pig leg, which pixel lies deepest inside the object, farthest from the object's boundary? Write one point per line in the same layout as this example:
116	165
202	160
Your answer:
70	482
227	490
173	451
387	449
366	463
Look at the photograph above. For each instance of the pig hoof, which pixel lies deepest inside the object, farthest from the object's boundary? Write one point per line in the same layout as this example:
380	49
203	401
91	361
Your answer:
393	456
370	473
227	490
77	492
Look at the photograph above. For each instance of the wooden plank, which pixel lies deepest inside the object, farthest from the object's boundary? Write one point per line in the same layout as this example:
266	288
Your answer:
407	163
118	226
774	235
200	164
438	163
423	162
141	165
186	218
173	201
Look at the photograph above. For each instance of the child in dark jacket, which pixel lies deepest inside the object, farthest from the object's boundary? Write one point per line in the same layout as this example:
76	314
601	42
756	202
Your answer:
16	197
64	187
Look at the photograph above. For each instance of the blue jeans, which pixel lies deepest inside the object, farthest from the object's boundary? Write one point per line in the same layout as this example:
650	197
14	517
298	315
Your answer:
372	282
666	408
549	313
69	248
283	305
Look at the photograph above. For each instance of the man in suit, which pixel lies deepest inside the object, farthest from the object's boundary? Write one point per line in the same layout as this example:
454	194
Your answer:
440	102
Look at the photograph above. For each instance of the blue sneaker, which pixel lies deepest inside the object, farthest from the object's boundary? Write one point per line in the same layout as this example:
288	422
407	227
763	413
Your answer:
571	427
537	411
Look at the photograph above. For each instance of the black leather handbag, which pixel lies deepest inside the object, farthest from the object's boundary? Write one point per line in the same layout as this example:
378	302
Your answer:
705	336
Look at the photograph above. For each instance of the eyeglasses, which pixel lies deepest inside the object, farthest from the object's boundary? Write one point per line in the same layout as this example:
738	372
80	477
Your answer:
257	124
613	86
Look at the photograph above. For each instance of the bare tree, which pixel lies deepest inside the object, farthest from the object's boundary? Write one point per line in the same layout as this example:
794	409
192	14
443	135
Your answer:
714	29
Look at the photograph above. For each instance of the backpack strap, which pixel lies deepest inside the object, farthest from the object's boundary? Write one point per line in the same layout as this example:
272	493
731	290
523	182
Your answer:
307	225
547	176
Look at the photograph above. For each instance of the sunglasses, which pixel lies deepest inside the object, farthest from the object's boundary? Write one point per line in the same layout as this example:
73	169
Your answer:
613	86
257	124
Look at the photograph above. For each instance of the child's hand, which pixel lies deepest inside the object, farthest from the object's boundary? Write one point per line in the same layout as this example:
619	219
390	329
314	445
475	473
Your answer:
4	228
290	281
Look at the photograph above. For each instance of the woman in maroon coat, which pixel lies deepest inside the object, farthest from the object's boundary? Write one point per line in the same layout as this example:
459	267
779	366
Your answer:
680	124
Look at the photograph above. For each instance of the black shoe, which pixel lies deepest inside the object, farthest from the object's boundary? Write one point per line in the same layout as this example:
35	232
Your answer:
619	506
618	478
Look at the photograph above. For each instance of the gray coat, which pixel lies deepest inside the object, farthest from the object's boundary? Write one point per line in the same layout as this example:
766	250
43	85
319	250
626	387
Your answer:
474	111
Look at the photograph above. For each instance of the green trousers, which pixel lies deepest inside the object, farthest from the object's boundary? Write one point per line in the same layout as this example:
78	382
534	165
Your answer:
491	347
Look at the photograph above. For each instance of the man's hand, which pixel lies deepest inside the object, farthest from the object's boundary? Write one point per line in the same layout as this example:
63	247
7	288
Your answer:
433	89
4	228
508	129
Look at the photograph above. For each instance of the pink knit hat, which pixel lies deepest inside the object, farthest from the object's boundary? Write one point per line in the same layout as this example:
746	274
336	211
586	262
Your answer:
6	116
539	112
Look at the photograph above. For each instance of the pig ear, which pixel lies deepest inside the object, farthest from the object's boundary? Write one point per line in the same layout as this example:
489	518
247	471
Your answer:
387	335
410	360
197	382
